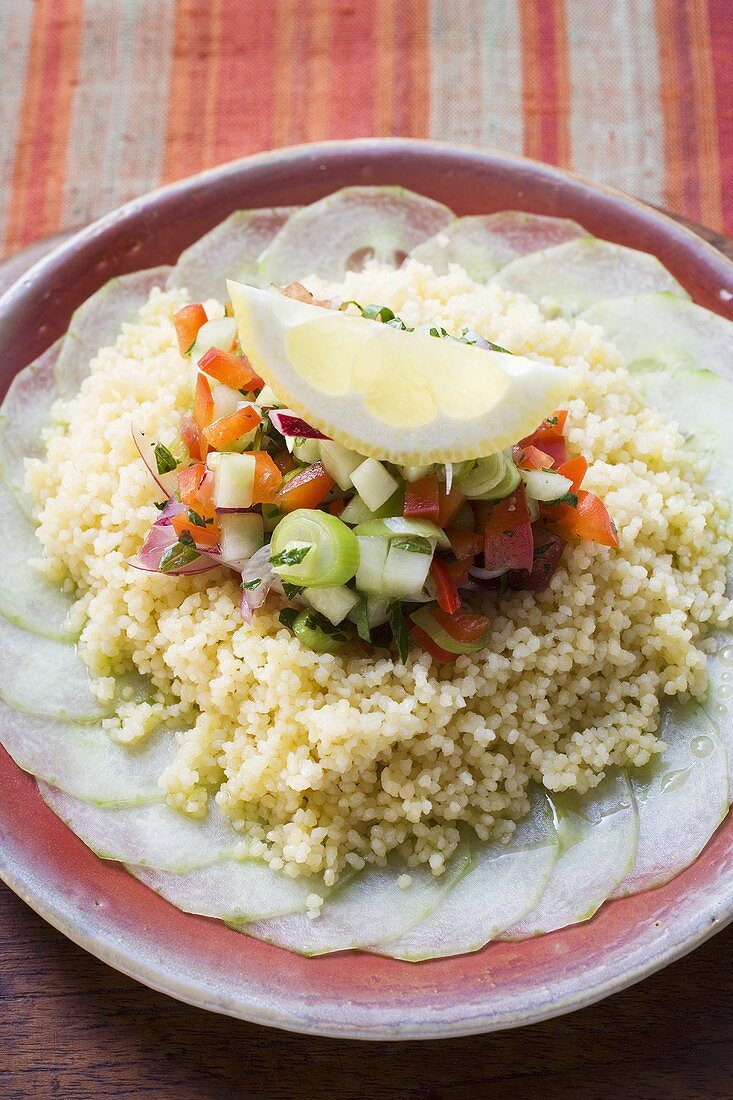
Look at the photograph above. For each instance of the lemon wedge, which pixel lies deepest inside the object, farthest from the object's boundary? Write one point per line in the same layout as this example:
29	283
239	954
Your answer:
404	397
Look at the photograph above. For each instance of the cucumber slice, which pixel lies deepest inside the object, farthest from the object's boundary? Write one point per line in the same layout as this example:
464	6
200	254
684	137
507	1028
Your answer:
42	676
483	243
664	332
570	277
370	909
341	232
504	882
98	322
24	413
233	890
720	694
229	251
681	796
84	762
151	836
598	835
27	598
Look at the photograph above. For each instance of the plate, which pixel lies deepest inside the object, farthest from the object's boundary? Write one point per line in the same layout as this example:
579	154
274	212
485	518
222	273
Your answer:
200	961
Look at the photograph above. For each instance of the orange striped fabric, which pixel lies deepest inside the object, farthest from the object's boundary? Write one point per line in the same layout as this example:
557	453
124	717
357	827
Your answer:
101	100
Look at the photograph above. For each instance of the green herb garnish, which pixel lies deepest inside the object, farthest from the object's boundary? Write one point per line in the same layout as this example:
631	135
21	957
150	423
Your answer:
164	460
362	621
179	554
570	499
399	629
292	590
160	504
249	586
416	544
291	555
287	616
196	519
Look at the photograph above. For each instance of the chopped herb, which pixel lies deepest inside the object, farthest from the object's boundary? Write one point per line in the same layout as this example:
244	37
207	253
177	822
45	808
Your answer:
299	440
416	544
313	620
196	519
570	499
398	323
160	504
291	555
438	332
550	420
378	313
287	616
164	460
190	349
249	586
399	629
540	550
292	590
362	620
179	554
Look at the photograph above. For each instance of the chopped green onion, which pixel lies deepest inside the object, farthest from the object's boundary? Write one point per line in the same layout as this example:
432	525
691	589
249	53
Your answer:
291	555
164	460
334	552
399	629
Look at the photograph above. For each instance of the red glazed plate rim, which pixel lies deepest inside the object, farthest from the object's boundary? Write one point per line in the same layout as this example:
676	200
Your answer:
354	995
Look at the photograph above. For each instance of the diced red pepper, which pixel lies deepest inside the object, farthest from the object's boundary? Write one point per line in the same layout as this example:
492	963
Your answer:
458	571
446	592
231	370
589	522
463	626
305	489
549	437
548	548
187	323
206	536
267	481
203	410
532	458
422	498
508	534
464	544
421	638
190	436
556	449
189	481
576	469
222	432
450	505
336	507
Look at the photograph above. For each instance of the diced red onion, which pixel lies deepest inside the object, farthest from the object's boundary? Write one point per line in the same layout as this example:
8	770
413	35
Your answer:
258	568
146	447
290	424
545	563
172	508
158	541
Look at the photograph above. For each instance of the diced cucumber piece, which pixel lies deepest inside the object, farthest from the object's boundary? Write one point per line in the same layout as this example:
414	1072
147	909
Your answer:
720	689
232	890
219	333
570	277
268	399
682	796
415	473
98	322
339	462
356	511
377	610
372	560
393	527
242	534
332	551
334	602
25	412
340	232
152	836
483	243
42	676
371	909
405	571
234	480
504	882
545	485
226	400
83	761
664	332
598	835
27	598
229	251
305	450
374	483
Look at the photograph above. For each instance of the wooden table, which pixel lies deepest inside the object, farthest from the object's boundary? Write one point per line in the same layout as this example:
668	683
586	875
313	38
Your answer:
71	1027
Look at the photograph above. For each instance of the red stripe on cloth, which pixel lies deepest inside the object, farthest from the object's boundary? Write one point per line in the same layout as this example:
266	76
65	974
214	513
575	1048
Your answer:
669	90
353	89
704	119
189	135
720	19
384	22
319	64
545	81
412	75
37	191
244	89
285	32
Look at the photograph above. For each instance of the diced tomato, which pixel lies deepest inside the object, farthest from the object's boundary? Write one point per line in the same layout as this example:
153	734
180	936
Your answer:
268	479
429	646
464	544
187	323
589	522
532	458
306	489
206	536
576	469
508	534
190	436
557	450
450	505
422	498
463	626
285	462
230	369
458	571
549	437
203	410
446	592
336	507
226	429
548	548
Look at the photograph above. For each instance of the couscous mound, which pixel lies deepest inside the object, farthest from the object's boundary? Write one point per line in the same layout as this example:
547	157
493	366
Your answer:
326	761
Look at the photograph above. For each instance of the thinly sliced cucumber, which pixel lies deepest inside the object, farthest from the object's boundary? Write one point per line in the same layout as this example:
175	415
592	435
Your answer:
98	322
24	414
233	890
229	251
719	700
150	836
341	232
483	243
83	761
598	836
27	598
371	909
570	277
682	796
665	332
42	676
504	883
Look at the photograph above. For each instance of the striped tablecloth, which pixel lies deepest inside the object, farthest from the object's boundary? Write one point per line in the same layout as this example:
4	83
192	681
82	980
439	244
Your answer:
101	100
